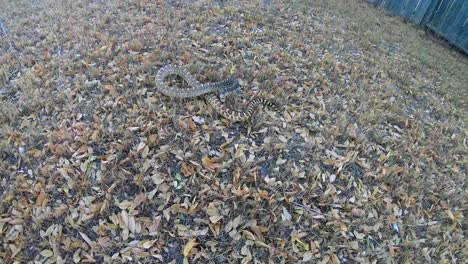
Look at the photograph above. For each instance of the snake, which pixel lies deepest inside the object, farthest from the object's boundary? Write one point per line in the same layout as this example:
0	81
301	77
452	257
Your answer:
214	93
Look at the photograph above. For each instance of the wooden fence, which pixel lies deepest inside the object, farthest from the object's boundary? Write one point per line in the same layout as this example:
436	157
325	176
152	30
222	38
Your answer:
448	18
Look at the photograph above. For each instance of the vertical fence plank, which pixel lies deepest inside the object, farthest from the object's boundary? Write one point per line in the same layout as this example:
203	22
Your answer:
450	21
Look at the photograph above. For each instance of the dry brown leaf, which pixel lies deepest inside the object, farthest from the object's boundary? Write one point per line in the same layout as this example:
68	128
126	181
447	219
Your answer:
235	178
82	149
34	152
188	169
354	154
307	256
41	197
210	163
192	125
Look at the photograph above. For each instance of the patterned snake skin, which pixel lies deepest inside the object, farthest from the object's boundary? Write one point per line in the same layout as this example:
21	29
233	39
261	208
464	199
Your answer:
209	91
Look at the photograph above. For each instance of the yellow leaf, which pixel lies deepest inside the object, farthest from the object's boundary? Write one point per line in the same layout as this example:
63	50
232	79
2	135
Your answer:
214	219
47	253
182	227
450	215
249	235
148	244
109	87
190	244
303	244
343	227
34	152
85	63
76	256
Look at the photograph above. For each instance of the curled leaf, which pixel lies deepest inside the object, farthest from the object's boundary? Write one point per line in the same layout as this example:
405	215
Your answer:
190	244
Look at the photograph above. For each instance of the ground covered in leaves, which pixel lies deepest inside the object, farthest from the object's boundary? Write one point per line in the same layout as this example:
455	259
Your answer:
365	164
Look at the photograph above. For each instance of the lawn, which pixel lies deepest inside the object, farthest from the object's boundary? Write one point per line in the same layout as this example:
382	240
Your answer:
366	161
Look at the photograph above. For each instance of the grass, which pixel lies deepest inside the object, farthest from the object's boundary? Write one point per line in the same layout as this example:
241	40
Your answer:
365	164
422	48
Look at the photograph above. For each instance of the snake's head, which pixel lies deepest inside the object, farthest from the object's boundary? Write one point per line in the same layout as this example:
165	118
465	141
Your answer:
229	85
226	87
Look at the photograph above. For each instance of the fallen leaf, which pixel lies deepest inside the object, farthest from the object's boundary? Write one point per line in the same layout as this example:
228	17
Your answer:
210	163
47	253
190	244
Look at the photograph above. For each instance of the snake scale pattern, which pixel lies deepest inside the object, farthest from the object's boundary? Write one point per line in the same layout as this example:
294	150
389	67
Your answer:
214	93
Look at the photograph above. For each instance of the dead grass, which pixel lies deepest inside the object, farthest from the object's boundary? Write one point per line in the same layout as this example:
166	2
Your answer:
422	49
367	164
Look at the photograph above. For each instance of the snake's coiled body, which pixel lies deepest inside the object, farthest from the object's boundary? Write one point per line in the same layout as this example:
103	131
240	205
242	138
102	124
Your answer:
196	88
209	91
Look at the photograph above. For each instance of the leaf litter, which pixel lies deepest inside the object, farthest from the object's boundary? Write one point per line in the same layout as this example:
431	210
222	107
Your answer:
365	164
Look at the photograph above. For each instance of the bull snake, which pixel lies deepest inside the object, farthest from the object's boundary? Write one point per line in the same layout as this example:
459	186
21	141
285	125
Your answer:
214	93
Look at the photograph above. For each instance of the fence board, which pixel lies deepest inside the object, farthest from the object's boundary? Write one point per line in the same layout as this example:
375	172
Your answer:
421	8
450	20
